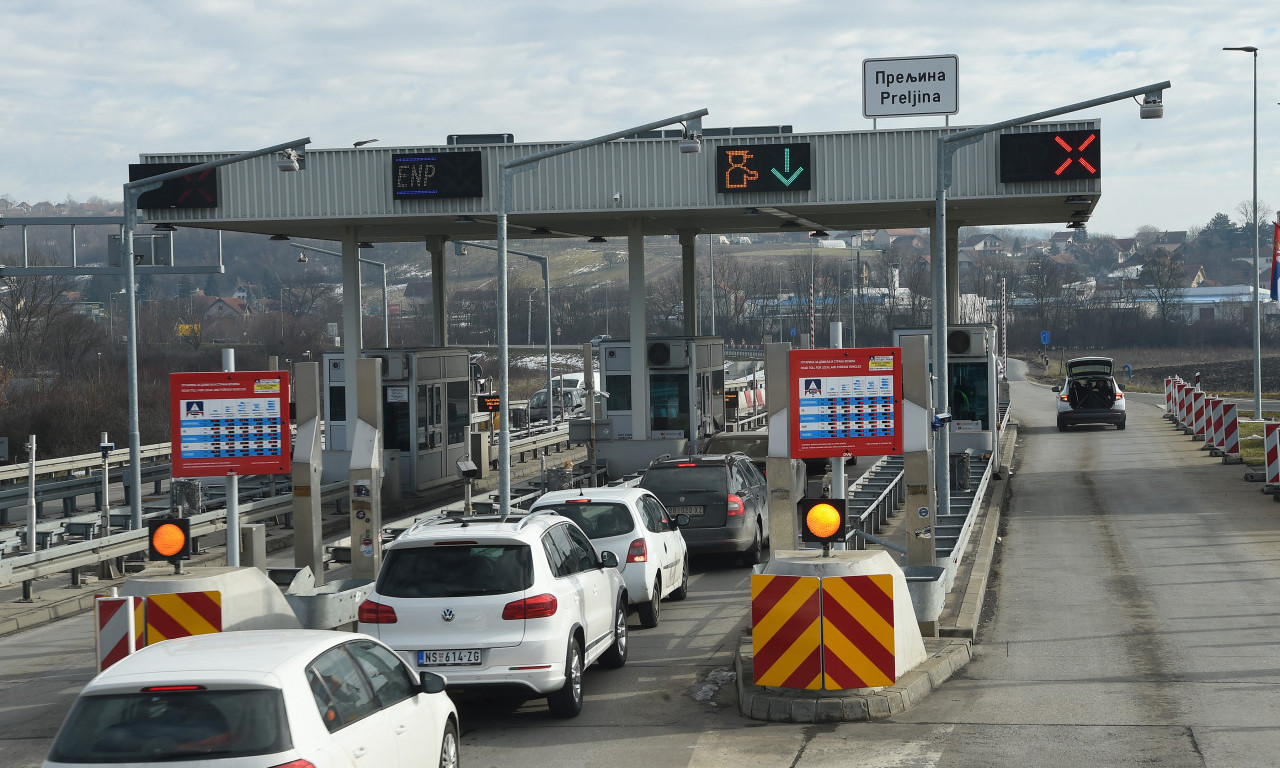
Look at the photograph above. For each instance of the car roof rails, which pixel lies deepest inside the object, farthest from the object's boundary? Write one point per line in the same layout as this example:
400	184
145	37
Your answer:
524	519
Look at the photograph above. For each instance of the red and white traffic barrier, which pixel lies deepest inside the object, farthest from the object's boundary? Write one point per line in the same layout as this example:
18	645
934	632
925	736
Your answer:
1198	414
1184	405
1271	438
1169	382
1213	439
118	625
1230	435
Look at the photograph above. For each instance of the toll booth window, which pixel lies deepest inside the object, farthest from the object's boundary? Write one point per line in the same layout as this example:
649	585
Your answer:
337	404
970	401
619	388
669	402
457	394
397	428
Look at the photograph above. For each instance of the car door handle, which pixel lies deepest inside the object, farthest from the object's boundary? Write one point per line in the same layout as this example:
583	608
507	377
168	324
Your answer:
401	729
358	752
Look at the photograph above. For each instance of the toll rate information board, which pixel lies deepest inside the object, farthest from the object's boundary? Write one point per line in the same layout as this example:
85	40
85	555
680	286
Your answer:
230	422
846	402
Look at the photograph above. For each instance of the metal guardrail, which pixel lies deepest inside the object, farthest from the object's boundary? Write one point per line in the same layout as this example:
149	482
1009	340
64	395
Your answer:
34	565
873	498
67	465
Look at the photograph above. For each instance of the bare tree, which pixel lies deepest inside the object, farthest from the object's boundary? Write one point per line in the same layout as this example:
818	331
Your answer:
31	309
1165	279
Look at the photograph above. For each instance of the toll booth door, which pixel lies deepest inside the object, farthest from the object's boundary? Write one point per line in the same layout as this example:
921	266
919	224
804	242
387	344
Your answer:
430	432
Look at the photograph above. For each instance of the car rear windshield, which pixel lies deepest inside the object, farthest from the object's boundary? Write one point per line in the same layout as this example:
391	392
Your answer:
755	446
598	519
163	727
691	479
456	570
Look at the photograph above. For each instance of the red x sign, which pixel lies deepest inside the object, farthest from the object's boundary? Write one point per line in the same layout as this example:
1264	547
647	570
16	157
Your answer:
1076	154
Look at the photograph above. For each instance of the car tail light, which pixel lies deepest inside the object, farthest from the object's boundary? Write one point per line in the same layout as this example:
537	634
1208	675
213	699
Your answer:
376	613
687	465
1119	395
637	552
1063	397
296	764
539	607
736	507
171	688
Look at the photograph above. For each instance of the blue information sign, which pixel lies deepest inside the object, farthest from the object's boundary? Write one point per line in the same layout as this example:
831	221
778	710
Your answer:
1044	338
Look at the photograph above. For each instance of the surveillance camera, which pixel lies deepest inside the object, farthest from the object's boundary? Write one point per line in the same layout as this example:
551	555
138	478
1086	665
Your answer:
1152	106
290	160
617	197
691	144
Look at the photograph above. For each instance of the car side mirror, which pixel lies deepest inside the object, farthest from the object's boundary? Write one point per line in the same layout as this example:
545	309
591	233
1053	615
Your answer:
431	682
608	559
1057	388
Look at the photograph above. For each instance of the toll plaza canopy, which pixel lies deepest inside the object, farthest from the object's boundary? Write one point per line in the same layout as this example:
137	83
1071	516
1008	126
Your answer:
750	180
743	180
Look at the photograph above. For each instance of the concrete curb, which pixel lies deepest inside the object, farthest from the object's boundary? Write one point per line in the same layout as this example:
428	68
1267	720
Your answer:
946	653
781	705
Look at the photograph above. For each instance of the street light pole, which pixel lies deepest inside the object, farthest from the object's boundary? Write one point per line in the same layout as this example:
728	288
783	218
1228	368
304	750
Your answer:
506	195
946	149
546	281
132	191
1257	273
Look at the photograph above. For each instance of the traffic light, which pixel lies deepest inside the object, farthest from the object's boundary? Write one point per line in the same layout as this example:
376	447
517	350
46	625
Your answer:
822	521
169	540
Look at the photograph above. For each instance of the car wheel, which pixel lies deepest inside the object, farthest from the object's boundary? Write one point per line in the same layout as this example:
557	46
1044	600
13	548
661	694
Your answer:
752	555
1062	425
682	591
1120	425
650	611
567	702
449	746
616	656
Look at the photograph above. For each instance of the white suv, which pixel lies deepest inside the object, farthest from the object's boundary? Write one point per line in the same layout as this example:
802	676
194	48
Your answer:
633	525
523	604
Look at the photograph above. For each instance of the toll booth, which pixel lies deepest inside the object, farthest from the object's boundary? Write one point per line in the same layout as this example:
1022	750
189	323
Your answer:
426	410
684	393
971	384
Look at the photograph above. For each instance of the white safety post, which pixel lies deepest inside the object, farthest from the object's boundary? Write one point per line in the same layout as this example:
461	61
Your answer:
233	488
31	493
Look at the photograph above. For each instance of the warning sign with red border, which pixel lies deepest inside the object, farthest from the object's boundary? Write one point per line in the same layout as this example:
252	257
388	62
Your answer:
230	422
846	402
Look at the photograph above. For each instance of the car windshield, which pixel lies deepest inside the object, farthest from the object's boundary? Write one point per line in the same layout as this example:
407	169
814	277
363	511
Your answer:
165	726
456	570
691	479
539	399
598	519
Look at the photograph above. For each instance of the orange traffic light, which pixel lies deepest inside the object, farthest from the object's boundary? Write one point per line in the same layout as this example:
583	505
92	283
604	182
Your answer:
169	539
822	521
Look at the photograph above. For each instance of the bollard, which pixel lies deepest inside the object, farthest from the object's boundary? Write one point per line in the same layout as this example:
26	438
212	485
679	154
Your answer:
1230	435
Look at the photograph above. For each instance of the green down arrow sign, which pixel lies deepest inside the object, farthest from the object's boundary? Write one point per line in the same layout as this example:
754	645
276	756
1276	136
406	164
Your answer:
787	176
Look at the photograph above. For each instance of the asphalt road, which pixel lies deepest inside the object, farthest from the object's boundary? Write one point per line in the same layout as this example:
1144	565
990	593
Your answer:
1133	620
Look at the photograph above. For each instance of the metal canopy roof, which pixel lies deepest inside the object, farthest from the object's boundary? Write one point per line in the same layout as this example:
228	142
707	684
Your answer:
861	180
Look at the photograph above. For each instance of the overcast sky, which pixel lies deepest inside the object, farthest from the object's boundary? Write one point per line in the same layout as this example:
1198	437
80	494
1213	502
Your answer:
85	88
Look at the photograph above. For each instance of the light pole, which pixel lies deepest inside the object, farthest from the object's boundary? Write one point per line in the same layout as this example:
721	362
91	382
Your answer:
386	333
132	191
1152	107
1257	274
461	247
711	257
506	193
